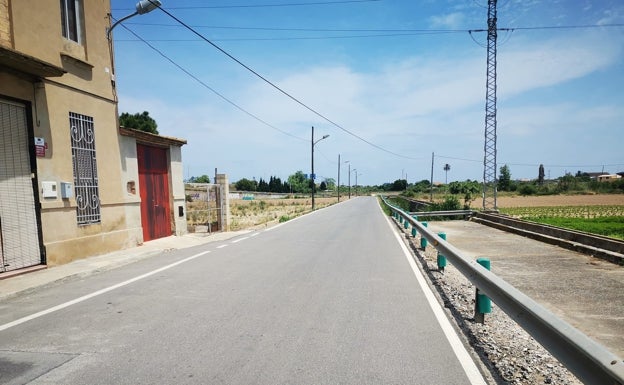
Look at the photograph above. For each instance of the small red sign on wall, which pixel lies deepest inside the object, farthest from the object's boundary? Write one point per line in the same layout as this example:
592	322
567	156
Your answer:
40	147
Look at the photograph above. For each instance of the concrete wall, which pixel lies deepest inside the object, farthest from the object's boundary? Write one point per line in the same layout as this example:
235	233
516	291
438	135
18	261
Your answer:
176	175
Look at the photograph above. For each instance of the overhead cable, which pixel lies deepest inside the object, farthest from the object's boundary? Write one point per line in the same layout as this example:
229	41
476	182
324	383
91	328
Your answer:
280	89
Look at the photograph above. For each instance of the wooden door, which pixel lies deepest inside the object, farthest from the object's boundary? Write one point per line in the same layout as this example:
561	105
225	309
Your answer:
154	191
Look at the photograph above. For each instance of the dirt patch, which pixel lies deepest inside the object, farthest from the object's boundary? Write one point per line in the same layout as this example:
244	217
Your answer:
257	213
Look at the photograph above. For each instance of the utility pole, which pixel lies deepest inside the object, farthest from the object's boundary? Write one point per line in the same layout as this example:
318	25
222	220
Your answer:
312	176
489	158
338	187
431	183
349	180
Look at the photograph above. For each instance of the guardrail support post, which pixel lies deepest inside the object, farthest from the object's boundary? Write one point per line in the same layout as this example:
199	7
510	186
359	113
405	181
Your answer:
413	232
483	304
441	258
423	240
406	224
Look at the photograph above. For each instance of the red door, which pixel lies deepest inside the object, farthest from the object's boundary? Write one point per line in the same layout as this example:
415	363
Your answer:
154	190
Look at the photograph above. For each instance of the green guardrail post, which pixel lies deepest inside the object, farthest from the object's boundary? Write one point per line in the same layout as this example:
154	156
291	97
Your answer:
413	232
406	224
483	304
423	240
441	258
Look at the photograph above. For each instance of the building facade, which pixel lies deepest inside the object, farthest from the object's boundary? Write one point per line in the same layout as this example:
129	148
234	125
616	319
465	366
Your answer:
69	181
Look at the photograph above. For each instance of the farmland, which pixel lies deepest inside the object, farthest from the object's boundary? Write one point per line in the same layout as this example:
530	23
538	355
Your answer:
597	214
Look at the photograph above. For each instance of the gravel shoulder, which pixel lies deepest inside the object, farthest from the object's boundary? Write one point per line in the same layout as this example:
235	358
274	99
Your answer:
508	352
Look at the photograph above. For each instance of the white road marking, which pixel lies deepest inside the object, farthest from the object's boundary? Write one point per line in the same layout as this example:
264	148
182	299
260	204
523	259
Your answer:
96	293
240	239
222	246
466	361
254	234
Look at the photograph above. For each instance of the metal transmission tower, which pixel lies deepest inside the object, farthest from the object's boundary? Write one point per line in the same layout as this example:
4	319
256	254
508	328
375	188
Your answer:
489	158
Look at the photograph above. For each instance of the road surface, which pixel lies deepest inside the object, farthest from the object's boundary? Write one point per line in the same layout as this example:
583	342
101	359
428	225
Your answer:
328	298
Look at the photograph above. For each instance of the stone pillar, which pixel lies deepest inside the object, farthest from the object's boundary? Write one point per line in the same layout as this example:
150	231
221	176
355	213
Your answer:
223	201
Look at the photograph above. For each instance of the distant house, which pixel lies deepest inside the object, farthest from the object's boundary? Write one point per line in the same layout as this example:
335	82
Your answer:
72	184
608	177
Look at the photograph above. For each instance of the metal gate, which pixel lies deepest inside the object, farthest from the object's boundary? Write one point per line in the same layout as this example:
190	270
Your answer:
19	232
154	191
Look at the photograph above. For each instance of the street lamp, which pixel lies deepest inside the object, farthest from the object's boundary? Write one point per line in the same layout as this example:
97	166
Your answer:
346	161
312	176
142	7
338	188
356	182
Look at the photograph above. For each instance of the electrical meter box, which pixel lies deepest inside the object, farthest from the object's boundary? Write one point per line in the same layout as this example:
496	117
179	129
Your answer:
48	190
66	190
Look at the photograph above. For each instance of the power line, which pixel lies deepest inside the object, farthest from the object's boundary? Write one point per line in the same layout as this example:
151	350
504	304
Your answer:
385	30
533	164
293	38
279	89
265	5
210	88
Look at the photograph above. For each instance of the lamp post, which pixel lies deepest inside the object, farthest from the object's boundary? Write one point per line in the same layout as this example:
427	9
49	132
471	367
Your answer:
346	161
338	188
312	176
355	172
142	7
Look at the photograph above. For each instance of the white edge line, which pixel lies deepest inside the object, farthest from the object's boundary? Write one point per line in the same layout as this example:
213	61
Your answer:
465	359
240	239
222	246
96	293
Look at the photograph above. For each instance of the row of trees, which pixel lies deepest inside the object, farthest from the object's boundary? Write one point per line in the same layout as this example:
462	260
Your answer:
297	183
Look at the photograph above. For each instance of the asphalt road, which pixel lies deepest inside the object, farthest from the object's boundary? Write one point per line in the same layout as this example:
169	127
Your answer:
328	298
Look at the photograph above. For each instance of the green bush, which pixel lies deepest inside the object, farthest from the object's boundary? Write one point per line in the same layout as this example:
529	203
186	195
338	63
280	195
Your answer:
527	189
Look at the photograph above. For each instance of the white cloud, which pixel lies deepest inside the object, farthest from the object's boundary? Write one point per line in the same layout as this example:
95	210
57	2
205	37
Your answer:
410	106
452	20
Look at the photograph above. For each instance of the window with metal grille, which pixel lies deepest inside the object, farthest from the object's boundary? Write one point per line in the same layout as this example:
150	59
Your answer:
71	19
82	133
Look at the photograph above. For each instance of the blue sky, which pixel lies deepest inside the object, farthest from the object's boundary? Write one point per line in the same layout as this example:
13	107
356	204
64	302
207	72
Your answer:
403	75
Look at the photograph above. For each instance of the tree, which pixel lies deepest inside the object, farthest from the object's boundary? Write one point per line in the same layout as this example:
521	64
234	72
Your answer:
447	167
199	179
399	185
540	176
331	183
246	185
504	180
142	122
299	183
469	189
323	186
263	186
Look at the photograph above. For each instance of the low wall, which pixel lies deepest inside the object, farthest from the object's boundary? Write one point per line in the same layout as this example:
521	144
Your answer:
602	247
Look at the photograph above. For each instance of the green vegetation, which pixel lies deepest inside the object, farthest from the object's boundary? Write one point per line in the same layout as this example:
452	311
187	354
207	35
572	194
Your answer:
607	226
587	212
199	179
284	218
602	220
141	122
386	209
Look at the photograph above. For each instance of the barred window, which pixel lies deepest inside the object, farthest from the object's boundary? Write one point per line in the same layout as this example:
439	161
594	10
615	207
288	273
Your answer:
82	133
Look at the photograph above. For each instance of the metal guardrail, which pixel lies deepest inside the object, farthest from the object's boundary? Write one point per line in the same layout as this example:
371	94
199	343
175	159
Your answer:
590	362
449	213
